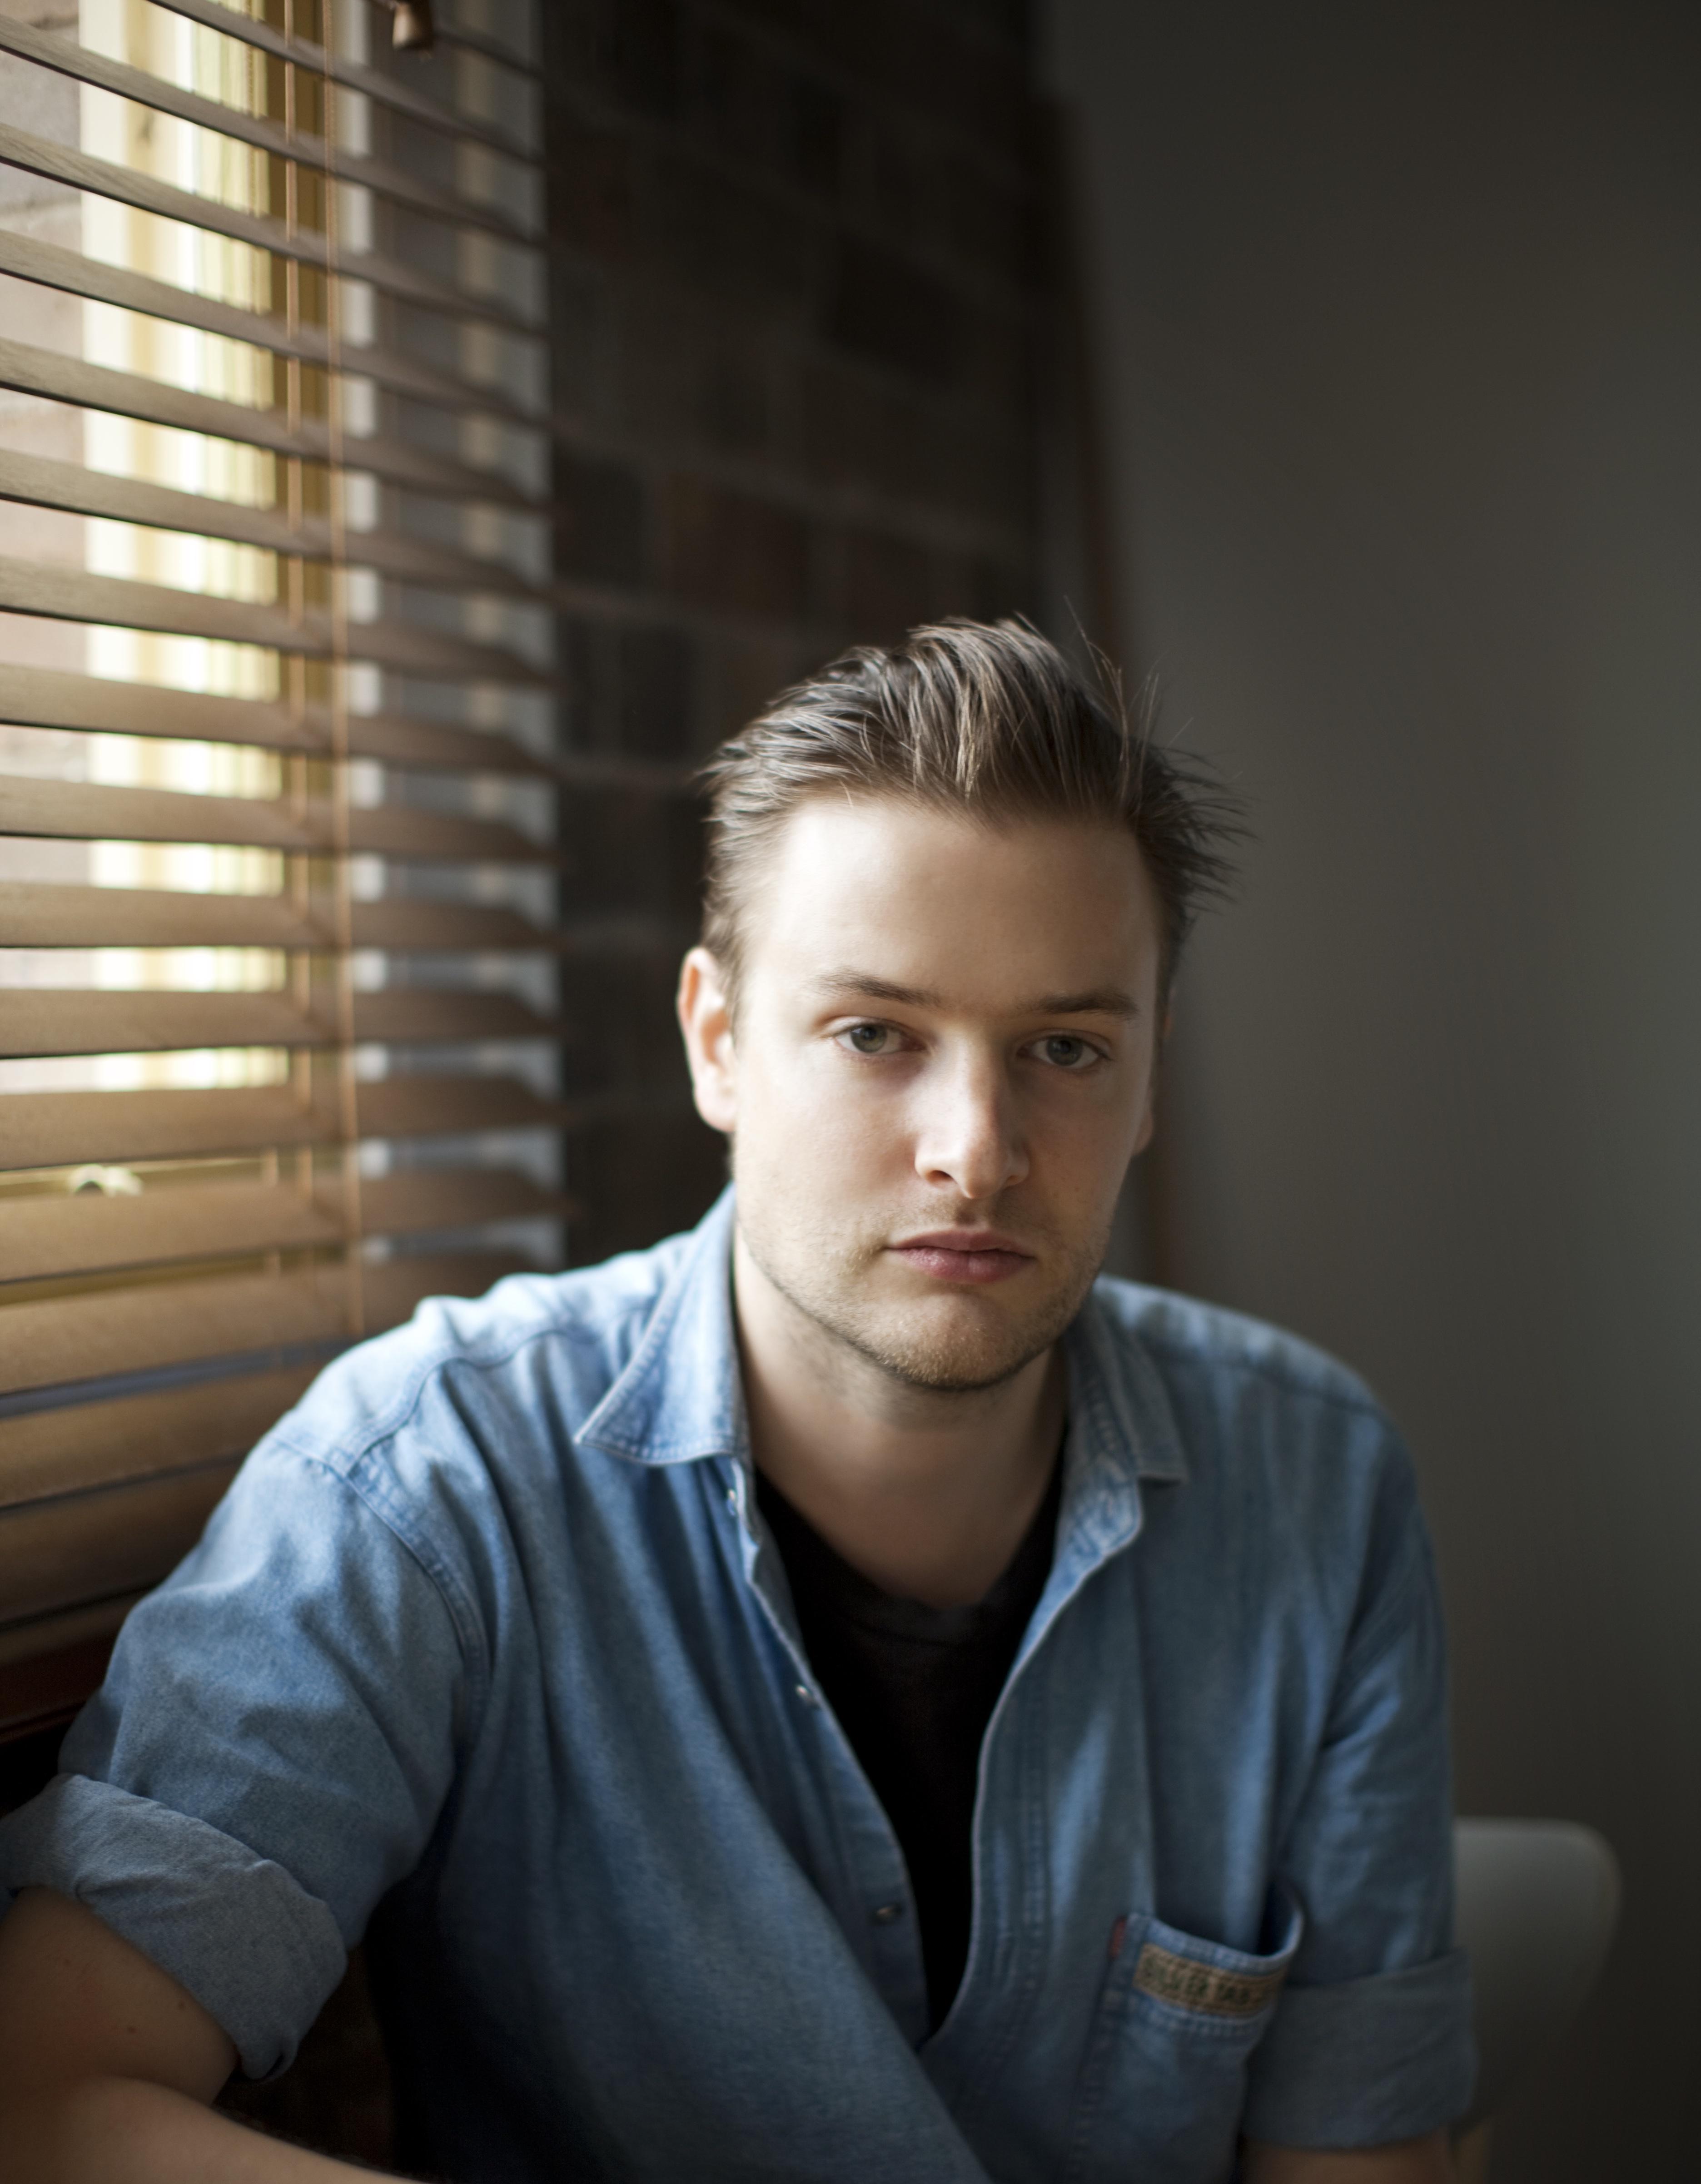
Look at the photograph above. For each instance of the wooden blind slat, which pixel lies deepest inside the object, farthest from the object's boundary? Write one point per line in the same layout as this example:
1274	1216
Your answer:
447	927
400	741
36	915
353	75
94	812
56	1554
41	483
82	170
50	698
50	1663
450	927
25	258
43	1020
38	1021
416	1105
46	1237
42	1238
66	1339
66	58
83	1447
32	588
388	830
63	1129
70	1339
58	378
405	1015
418	561
87	810
417	1201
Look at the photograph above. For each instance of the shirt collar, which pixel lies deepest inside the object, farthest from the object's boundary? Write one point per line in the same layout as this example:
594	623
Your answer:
680	1397
1121	1433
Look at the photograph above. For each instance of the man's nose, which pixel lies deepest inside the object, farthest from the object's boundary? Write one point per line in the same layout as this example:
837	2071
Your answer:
968	1136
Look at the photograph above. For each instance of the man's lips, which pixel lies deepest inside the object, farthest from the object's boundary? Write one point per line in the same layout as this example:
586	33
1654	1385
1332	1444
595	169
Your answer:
963	1255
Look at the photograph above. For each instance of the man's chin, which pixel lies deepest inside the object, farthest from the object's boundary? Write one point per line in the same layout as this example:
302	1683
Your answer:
953	1351
950	1341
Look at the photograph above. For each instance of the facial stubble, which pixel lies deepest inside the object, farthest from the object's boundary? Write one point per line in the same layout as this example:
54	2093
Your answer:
824	1282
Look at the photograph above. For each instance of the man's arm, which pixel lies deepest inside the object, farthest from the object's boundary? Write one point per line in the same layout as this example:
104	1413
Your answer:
1413	2161
108	2065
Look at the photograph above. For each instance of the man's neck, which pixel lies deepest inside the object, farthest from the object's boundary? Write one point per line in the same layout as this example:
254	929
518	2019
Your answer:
928	1492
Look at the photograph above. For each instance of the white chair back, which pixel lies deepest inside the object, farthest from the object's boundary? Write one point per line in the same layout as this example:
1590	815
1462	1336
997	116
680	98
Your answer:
1537	1904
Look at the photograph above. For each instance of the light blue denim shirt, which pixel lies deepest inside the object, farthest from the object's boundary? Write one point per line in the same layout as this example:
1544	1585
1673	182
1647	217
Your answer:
488	1652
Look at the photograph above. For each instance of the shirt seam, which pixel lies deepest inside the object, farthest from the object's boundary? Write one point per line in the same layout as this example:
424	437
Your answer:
370	1491
1380	1630
1362	1404
353	1450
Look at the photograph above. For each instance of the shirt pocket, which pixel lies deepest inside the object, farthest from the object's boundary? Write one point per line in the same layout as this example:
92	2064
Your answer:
1163	2080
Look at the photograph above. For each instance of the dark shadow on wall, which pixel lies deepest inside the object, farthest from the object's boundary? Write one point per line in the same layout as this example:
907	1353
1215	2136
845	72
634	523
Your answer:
796	272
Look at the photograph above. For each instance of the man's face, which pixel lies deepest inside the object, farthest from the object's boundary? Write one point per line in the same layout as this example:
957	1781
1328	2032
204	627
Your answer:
942	1065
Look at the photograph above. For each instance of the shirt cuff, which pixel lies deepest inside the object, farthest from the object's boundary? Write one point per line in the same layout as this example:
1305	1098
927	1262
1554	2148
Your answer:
1365	2062
257	1952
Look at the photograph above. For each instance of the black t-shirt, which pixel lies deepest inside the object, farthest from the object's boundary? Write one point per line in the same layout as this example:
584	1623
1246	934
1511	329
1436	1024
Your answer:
913	1688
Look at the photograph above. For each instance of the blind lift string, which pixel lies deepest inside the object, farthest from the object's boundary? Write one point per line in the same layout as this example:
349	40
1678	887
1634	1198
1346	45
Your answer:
348	1086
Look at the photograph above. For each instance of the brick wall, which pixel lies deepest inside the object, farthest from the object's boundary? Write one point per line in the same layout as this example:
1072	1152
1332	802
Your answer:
794	269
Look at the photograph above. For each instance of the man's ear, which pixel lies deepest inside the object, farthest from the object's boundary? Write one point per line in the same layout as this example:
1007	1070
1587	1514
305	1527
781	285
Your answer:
706	1021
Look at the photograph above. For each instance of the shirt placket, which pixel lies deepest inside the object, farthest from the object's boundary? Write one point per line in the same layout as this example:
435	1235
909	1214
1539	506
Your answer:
873	1900
977	2046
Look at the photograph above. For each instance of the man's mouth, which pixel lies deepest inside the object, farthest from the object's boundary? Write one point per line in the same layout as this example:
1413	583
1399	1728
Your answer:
963	1255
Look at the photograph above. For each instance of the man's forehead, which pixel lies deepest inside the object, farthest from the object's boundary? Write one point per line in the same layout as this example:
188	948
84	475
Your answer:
906	901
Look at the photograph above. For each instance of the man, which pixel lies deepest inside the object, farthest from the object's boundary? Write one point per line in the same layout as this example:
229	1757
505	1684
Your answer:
839	1696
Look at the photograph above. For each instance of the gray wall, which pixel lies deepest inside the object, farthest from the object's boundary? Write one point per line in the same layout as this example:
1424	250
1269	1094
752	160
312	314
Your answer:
1400	315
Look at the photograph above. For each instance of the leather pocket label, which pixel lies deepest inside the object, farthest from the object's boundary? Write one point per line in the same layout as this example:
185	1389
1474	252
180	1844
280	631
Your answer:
1205	1987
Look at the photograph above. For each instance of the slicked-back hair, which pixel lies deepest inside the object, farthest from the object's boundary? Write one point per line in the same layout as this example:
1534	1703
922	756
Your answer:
988	720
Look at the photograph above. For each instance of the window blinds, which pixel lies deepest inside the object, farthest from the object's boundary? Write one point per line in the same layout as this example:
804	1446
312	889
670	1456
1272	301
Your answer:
277	736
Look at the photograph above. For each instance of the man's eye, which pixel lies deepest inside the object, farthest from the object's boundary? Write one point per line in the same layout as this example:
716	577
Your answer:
1065	1051
867	1039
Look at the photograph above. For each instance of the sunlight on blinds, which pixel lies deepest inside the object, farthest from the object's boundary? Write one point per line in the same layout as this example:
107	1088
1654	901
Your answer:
278	1038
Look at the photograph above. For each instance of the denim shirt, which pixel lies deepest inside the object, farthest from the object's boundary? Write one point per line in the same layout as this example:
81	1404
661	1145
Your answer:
488	1656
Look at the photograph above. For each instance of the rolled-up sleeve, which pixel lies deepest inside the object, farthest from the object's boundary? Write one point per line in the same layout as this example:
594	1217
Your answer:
257	1951
1371	2041
269	1754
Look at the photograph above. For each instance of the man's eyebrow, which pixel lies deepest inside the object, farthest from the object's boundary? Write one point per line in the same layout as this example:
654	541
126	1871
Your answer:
1109	1001
861	985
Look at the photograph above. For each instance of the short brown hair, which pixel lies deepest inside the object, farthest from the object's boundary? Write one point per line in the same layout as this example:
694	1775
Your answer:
985	718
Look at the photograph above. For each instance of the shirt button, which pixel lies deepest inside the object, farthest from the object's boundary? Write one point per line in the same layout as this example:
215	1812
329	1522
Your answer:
885	1912
807	1696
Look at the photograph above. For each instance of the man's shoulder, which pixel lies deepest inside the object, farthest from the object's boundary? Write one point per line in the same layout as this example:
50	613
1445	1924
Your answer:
1292	1464
1249	1408
537	1349
1208	1346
